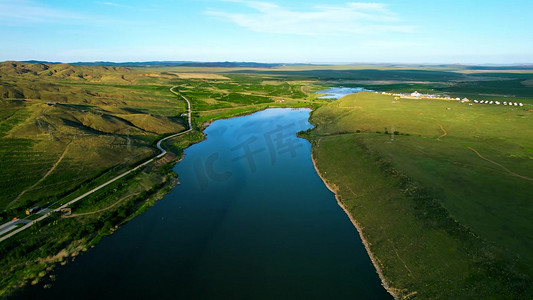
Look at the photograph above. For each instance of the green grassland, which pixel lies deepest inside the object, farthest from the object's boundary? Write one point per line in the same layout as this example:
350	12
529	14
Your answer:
442	221
239	94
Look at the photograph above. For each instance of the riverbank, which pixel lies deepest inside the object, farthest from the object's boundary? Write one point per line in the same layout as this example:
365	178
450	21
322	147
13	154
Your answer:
157	179
30	256
391	187
379	268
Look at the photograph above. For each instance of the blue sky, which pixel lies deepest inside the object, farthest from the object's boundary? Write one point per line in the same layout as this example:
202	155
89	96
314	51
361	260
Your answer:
388	31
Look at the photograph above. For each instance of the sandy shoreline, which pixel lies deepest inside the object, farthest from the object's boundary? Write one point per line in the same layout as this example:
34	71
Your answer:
384	281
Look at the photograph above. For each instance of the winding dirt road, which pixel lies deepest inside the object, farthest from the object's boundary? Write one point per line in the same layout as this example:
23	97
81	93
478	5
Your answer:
44	177
501	166
444	132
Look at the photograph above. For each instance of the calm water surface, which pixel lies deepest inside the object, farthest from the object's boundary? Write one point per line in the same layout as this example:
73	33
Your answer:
339	92
251	219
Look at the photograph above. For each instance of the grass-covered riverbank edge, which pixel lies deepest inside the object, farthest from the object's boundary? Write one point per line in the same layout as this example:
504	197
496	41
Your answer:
418	250
333	188
31	256
390	186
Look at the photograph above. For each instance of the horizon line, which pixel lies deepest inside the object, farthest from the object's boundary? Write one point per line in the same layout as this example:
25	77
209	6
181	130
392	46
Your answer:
277	63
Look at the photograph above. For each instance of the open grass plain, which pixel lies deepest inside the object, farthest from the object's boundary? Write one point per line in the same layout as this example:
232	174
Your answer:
445	206
441	190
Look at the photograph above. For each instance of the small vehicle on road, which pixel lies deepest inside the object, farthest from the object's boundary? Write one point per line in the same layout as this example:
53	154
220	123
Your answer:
33	210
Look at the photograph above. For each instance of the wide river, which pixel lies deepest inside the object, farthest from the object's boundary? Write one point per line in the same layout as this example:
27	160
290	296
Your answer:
251	219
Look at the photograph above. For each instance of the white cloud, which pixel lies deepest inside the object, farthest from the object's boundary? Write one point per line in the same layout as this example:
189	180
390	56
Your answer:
373	6
30	11
112	4
351	18
107	3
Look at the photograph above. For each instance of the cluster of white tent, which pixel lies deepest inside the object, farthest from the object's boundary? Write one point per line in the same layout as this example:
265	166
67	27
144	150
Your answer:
498	102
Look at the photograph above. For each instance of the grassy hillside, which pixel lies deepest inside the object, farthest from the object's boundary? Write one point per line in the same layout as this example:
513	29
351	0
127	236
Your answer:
66	71
59	130
441	189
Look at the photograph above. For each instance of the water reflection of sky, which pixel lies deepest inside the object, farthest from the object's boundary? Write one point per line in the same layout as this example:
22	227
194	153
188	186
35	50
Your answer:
250	217
338	92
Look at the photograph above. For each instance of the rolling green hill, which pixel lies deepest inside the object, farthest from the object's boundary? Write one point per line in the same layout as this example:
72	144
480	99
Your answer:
78	119
66	71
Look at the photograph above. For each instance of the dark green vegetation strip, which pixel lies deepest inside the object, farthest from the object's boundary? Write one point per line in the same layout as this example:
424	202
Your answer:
368	74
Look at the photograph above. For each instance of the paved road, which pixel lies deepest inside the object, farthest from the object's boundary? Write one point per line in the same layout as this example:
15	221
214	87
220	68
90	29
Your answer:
7	227
163	151
46	212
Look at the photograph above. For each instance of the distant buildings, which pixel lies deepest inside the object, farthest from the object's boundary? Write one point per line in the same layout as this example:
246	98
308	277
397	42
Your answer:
418	95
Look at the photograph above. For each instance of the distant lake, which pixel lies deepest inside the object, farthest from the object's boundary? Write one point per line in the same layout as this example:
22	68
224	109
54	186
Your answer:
339	92
251	219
